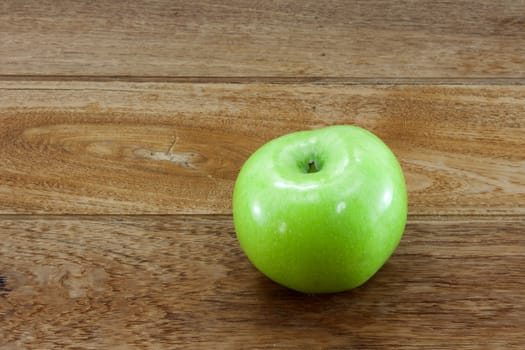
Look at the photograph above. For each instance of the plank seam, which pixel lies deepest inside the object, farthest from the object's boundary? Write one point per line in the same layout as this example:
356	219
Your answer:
273	80
413	217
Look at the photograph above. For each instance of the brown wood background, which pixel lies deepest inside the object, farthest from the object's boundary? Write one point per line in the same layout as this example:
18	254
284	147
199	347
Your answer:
123	126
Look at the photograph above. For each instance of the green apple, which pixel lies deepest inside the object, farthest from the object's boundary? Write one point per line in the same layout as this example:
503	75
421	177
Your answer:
320	211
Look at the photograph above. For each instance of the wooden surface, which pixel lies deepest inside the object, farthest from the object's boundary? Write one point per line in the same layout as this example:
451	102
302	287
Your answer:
182	280
369	38
151	148
123	127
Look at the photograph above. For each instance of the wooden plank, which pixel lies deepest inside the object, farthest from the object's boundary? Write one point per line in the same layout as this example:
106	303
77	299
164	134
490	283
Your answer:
459	39
170	281
102	148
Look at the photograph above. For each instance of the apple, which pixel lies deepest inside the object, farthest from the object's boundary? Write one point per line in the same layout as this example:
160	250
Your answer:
320	211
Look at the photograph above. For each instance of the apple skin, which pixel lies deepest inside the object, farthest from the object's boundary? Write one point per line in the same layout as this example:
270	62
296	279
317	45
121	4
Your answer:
326	231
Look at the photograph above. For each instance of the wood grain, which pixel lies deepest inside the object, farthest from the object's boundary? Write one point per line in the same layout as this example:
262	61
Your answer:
458	39
113	112
135	148
182	281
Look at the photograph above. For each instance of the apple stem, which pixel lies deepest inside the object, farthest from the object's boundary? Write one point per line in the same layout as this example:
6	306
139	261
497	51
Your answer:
312	167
